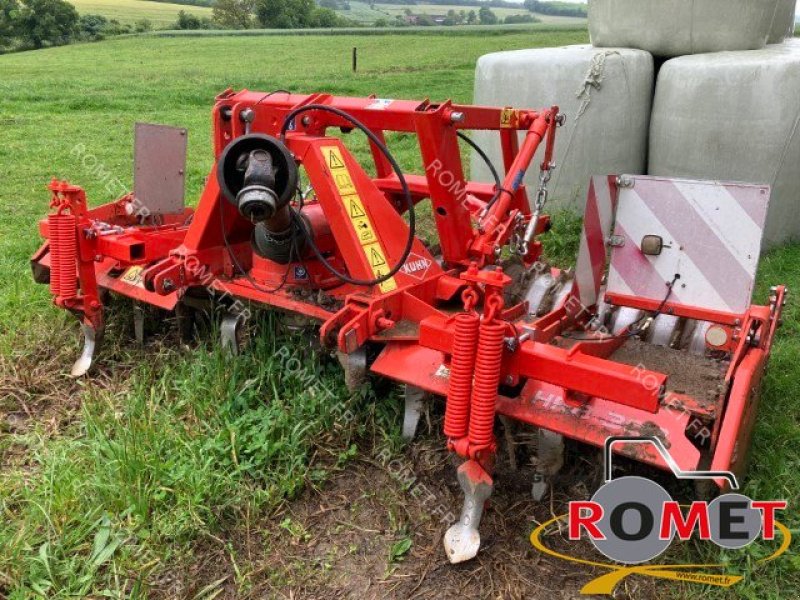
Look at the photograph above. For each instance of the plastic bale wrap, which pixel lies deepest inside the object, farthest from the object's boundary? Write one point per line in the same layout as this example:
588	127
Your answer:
606	95
668	28
734	116
783	23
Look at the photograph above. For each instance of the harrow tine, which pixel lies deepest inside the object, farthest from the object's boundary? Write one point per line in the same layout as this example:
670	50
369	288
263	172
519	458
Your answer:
550	459
463	540
355	368
91	339
229	333
138	323
414	402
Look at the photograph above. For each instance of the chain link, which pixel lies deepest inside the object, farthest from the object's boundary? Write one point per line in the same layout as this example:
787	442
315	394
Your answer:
521	245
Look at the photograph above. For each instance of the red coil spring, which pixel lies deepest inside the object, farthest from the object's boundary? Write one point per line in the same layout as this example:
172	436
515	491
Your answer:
63	255
465	343
487	378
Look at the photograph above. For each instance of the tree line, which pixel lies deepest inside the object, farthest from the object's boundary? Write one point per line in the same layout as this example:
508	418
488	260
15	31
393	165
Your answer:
283	14
32	24
275	14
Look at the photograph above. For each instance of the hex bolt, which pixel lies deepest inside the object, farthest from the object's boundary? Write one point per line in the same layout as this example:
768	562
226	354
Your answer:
248	115
625	181
457	117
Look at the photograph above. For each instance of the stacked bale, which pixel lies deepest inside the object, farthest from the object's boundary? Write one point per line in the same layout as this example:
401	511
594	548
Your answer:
605	93
677	27
783	23
726	107
734	116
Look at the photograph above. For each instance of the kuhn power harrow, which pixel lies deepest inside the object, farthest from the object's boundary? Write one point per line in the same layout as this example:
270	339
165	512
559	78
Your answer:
652	333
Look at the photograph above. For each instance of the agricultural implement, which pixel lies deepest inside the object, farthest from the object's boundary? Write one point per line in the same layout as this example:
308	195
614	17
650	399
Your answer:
651	334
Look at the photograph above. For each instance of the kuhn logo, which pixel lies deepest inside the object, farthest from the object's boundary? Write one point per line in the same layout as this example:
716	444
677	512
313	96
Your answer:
416	266
633	520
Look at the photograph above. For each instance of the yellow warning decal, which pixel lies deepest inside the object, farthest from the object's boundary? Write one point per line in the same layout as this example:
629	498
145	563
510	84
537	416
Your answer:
379	265
333	157
359	218
355	209
343	183
133	276
509	118
341	176
364	231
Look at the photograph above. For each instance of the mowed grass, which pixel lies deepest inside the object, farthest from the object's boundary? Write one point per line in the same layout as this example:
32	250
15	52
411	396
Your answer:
113	485
160	14
110	485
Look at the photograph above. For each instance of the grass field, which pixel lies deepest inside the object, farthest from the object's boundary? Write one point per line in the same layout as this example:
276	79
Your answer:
161	14
361	12
165	475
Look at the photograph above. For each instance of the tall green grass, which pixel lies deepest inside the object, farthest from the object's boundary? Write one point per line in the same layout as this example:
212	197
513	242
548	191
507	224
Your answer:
192	443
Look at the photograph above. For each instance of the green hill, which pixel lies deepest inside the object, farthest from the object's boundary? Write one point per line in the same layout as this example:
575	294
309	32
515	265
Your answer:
161	14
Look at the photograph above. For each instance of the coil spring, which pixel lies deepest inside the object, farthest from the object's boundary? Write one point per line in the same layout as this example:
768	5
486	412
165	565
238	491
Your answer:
487	378
465	343
63	255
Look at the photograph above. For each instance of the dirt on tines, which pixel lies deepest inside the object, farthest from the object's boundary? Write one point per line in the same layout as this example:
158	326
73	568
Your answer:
690	374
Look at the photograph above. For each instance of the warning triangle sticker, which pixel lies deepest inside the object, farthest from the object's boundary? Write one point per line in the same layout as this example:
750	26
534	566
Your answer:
355	210
375	258
334	162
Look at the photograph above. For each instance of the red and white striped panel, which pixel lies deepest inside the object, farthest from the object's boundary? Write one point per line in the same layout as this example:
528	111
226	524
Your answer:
598	219
712	238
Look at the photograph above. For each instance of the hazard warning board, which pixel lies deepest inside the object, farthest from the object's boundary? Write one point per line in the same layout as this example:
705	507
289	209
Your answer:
354	207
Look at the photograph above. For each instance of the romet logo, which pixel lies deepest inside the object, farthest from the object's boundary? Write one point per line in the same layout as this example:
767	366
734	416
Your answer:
632	520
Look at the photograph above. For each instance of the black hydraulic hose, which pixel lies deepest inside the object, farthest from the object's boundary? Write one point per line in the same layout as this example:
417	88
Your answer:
272	93
403	184
497	183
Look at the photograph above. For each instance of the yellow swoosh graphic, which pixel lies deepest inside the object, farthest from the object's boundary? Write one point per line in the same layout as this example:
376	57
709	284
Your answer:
605	584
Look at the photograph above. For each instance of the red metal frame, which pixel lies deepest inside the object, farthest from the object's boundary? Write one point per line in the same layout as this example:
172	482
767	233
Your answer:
576	391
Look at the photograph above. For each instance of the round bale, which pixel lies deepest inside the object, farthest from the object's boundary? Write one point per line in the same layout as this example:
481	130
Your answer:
668	28
734	116
606	95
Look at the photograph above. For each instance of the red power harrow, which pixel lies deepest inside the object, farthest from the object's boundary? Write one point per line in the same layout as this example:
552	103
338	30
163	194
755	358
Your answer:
479	319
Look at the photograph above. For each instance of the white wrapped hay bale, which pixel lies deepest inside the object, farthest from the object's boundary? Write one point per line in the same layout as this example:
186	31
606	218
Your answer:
783	22
734	116
606	95
678	27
